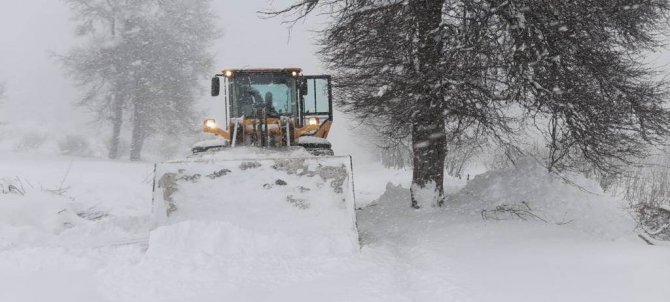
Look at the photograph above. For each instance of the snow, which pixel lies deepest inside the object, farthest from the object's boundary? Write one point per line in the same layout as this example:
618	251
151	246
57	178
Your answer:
427	195
32	218
287	206
430	254
578	203
383	89
249	153
313	140
218	141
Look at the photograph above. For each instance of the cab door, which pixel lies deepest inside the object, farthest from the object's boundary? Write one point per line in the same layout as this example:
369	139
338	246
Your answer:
316	100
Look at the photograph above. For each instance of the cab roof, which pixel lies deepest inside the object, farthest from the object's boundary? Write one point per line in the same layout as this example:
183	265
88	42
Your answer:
287	70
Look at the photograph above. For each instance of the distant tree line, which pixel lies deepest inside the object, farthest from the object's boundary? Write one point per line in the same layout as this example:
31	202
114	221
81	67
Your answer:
439	72
141	61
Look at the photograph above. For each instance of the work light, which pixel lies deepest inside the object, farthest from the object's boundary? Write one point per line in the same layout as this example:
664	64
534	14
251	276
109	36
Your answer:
210	124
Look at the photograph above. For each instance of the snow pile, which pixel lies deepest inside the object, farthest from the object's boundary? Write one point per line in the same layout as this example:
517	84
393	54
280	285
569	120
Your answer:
69	202
217	141
425	196
30	216
534	194
242	153
313	140
452	254
43	217
293	207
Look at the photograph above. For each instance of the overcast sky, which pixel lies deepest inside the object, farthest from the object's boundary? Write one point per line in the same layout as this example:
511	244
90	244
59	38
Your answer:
39	93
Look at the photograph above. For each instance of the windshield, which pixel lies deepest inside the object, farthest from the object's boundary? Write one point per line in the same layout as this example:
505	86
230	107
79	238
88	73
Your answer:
275	91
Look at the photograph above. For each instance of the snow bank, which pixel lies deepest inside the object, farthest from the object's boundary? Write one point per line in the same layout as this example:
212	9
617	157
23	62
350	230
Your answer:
72	202
34	216
452	254
575	201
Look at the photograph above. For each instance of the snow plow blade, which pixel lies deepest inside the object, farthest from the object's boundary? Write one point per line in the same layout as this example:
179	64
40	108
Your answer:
256	206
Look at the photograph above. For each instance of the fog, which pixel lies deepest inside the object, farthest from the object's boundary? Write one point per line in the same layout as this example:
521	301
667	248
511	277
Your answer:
33	32
39	95
37	91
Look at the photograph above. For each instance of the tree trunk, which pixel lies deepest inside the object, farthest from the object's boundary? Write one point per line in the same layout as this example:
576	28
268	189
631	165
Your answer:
429	142
117	110
138	134
428	127
117	121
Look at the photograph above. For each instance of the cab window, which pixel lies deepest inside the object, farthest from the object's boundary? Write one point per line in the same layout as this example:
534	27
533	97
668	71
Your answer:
317	97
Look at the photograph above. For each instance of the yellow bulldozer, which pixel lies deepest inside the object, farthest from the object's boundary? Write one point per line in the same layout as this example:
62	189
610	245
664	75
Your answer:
268	181
272	108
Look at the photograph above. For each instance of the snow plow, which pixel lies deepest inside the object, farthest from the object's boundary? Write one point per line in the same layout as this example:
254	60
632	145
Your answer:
271	108
268	179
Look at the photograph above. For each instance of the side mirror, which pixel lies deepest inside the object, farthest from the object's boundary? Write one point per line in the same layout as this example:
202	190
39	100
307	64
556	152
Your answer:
216	86
302	87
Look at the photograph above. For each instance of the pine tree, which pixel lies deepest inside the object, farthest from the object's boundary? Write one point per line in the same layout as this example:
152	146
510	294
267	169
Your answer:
435	71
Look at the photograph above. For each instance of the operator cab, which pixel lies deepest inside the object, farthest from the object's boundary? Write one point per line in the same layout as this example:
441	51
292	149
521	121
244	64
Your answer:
282	92
274	91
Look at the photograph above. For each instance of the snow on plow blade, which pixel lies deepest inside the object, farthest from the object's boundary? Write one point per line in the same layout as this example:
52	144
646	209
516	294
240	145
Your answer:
277	206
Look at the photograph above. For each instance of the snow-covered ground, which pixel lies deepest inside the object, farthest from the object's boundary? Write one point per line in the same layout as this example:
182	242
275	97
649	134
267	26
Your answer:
79	232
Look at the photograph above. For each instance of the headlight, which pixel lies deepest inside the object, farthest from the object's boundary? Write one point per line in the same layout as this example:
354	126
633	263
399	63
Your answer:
210	124
295	73
313	121
228	73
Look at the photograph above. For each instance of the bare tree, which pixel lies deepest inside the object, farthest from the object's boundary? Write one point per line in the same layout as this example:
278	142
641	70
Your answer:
435	70
96	66
144	58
